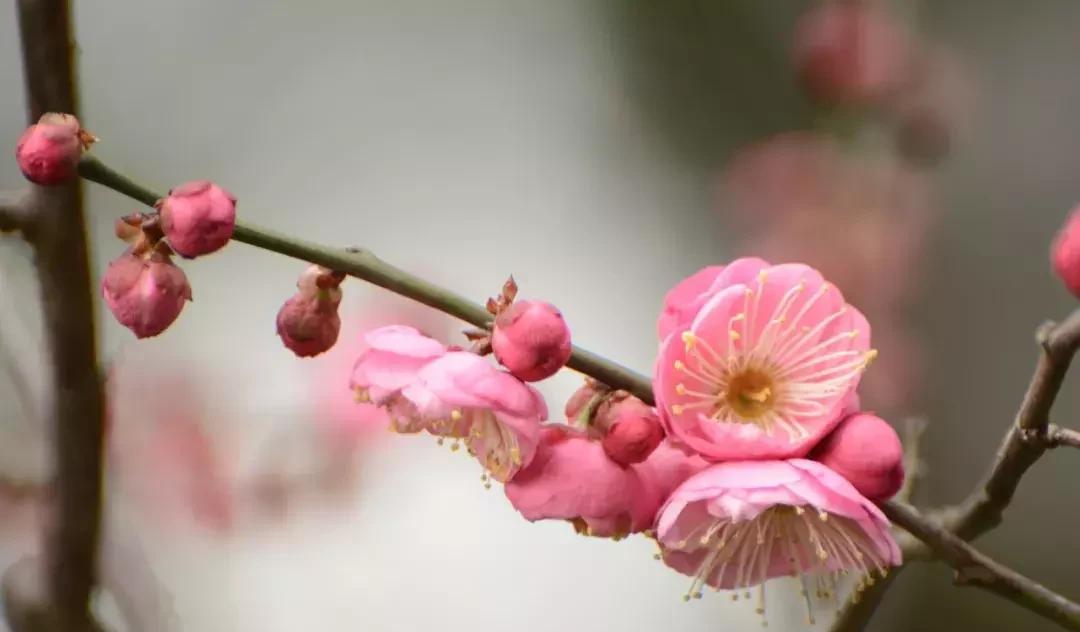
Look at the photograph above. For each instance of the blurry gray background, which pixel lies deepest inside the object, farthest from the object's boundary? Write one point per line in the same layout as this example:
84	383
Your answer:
575	145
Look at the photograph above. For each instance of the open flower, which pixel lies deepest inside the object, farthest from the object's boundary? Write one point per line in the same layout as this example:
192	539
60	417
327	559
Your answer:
392	360
766	364
462	395
740	523
572	479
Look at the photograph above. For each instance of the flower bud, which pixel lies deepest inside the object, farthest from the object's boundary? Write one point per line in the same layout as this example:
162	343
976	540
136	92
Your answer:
308	323
198	218
851	53
1065	253
48	152
866	451
531	340
633	436
145	293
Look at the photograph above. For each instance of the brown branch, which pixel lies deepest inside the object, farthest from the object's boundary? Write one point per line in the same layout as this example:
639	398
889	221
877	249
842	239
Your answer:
59	242
1026	441
1057	437
974	568
363	264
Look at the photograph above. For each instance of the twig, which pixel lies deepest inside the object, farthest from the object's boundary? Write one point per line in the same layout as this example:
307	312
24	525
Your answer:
973	568
1022	447
363	264
1058	437
1026	441
59	242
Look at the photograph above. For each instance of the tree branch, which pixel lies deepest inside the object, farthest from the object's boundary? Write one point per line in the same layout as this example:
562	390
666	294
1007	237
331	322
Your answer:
364	265
976	569
59	242
1057	437
1026	441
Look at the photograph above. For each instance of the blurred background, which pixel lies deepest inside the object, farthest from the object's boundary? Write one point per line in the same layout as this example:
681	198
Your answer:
920	154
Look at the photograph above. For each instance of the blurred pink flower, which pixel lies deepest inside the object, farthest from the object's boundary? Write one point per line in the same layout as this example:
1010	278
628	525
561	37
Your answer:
740	523
851	53
766	367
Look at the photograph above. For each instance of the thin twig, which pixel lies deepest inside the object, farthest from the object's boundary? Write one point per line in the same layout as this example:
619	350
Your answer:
363	264
1026	441
59	242
1060	343
974	568
1058	437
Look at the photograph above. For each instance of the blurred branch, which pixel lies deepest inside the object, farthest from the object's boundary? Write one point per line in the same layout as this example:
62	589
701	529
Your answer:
14	214
363	264
976	569
59	241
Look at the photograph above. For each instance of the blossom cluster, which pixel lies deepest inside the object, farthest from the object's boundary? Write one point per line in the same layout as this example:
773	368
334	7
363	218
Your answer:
755	462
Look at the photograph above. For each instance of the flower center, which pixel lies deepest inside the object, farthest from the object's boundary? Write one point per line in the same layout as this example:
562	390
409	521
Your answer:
750	394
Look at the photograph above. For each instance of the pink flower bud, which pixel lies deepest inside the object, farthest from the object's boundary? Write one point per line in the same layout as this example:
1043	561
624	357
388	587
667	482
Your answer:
48	152
198	218
145	292
633	436
531	339
1065	253
851	53
308	323
866	451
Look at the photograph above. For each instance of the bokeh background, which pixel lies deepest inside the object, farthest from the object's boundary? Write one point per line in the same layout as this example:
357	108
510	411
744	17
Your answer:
589	148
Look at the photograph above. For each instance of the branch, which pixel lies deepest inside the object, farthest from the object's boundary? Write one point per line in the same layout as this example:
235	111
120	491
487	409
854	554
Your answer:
976	569
1028	439
14	214
1062	437
364	265
59	242
1024	445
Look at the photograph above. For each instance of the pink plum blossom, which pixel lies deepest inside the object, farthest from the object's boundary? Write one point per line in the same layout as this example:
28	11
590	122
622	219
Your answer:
531	339
740	523
48	152
392	361
1065	253
633	435
866	451
145	291
198	218
765	367
851	53
571	478
308	323
462	395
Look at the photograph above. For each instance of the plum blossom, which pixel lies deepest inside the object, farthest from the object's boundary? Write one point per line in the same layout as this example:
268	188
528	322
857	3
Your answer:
531	339
571	478
760	365
740	523
48	152
461	395
198	218
866	451
145	291
308	323
391	361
